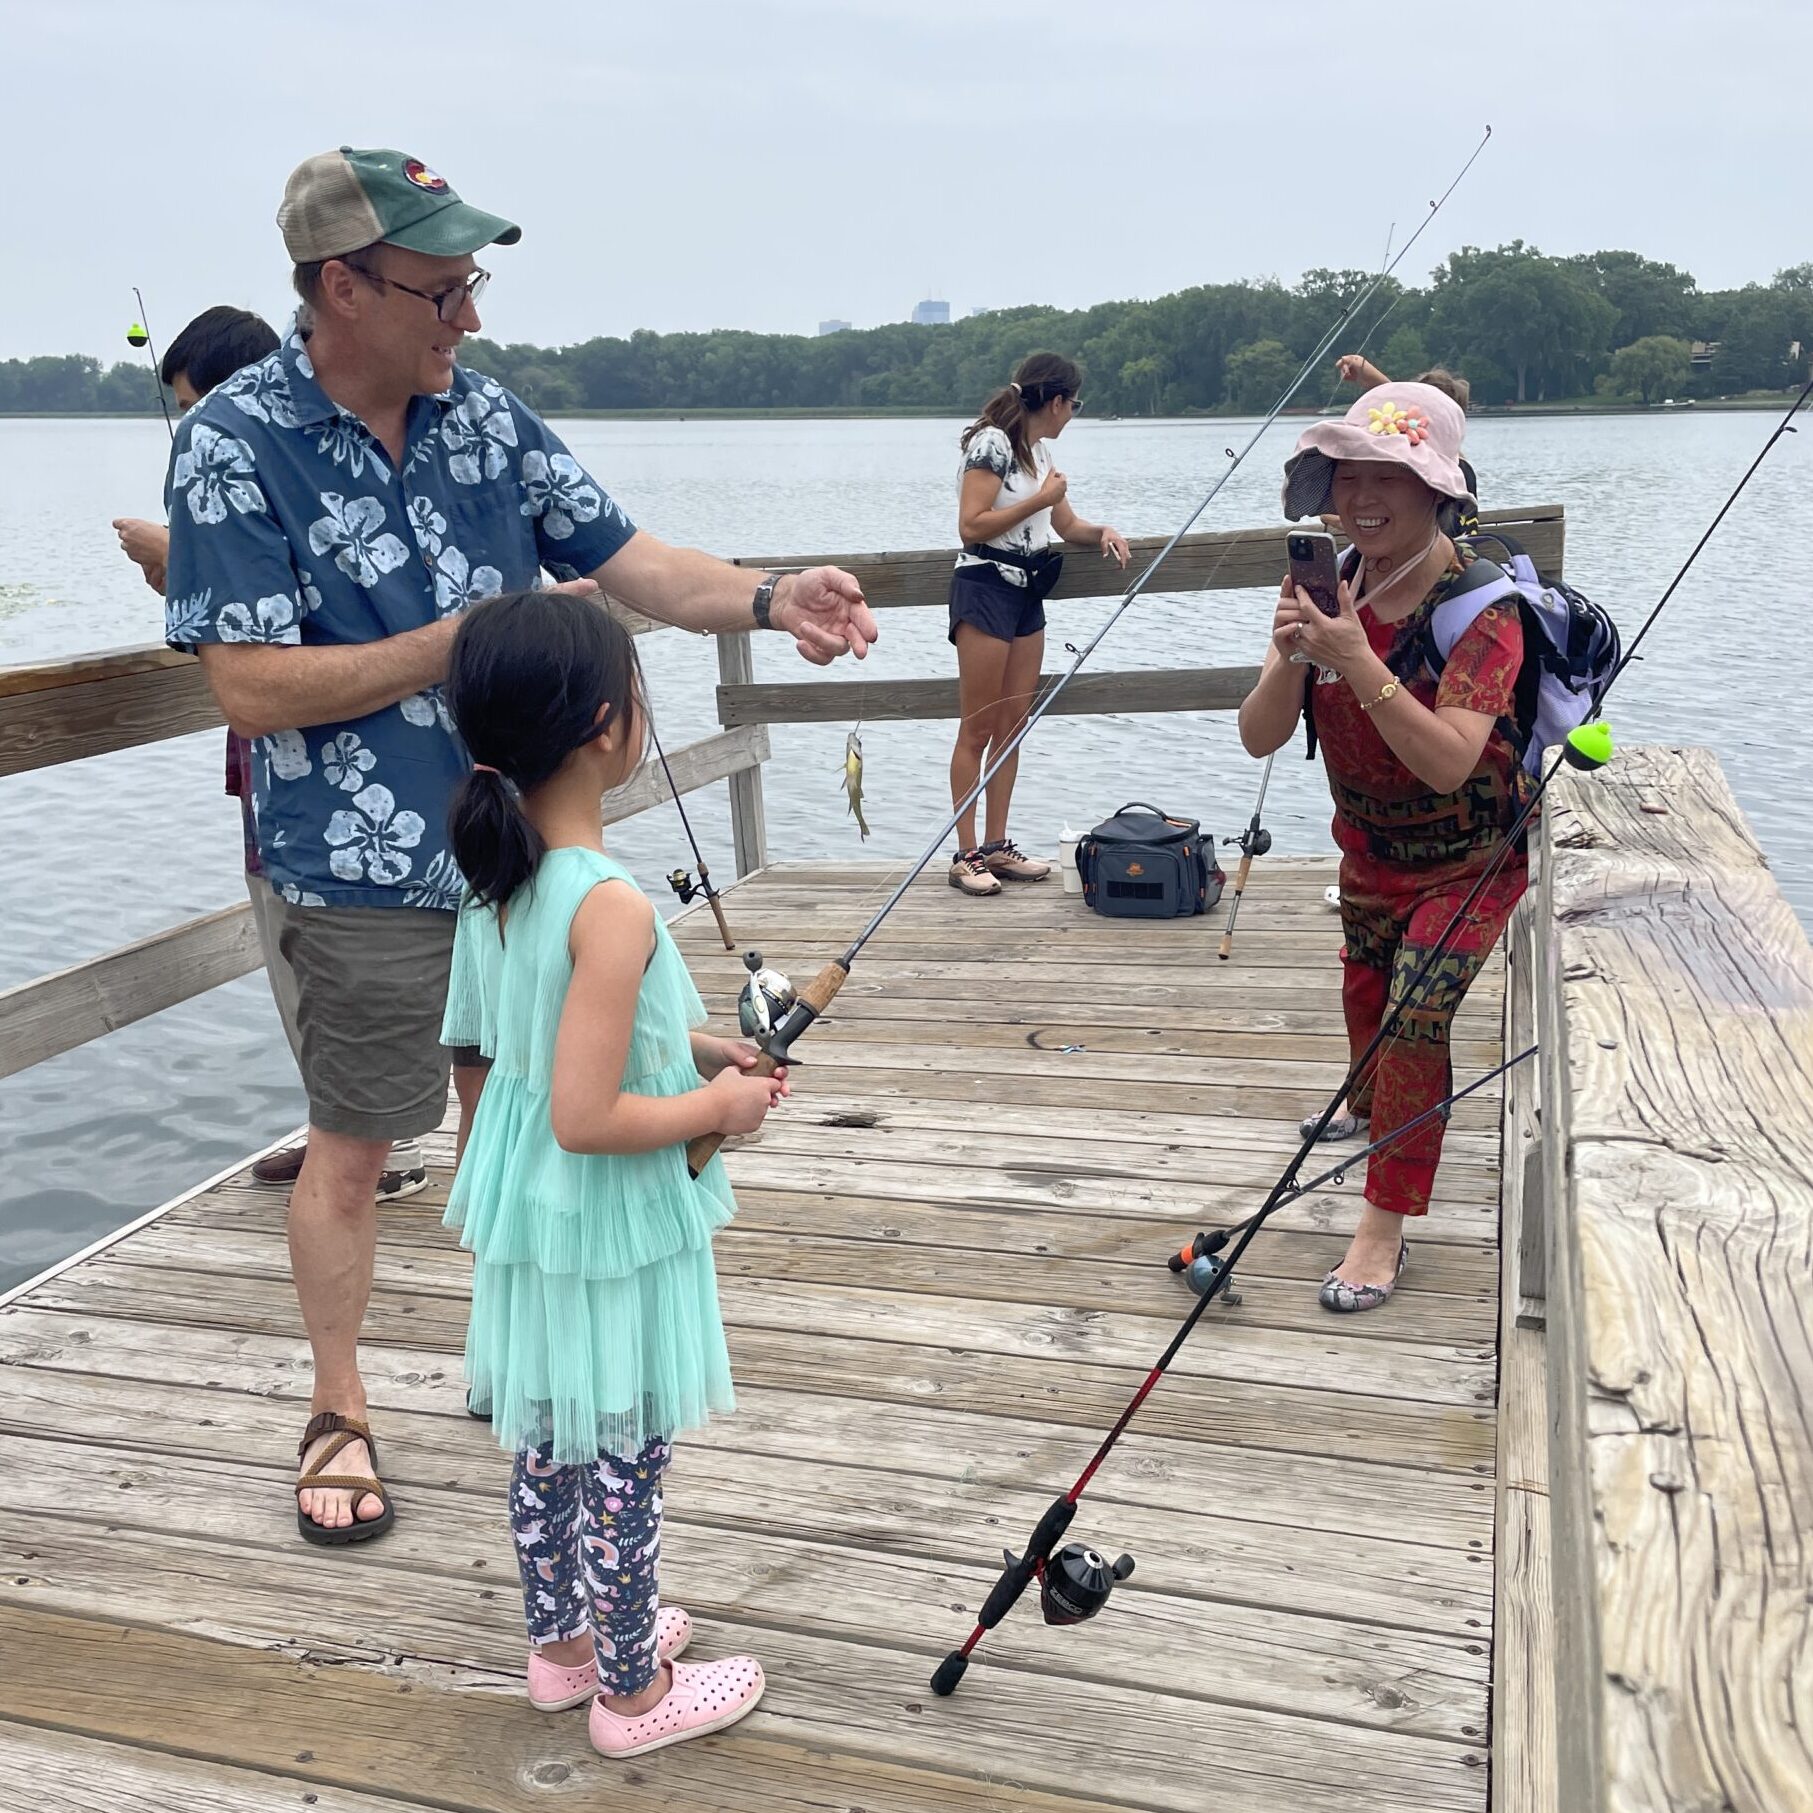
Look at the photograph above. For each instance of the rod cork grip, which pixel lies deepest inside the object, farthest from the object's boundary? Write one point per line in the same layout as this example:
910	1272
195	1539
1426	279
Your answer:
811	1001
717	912
821	991
1240	875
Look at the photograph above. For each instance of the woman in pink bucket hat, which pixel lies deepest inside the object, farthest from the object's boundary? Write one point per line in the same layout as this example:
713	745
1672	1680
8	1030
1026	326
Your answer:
1424	778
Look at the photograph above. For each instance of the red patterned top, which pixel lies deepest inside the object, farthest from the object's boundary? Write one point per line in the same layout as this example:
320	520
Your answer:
1381	809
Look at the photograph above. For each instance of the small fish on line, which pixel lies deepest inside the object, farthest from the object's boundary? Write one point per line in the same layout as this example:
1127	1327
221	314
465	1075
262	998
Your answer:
852	773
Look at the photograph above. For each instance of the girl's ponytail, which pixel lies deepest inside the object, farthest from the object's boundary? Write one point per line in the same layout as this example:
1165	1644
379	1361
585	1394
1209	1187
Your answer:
496	847
533	676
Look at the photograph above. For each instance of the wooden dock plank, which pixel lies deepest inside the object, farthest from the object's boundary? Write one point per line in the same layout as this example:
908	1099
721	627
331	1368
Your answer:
388	1728
893	1500
946	1278
76	1774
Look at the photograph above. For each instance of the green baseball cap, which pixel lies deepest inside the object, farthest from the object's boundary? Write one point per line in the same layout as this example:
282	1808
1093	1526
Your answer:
341	200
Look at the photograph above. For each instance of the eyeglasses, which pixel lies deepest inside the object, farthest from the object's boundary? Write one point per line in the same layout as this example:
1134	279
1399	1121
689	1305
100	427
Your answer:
447	302
1076	405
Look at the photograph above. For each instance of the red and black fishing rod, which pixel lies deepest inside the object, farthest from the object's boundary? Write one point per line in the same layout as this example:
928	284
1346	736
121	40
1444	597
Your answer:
1213	1277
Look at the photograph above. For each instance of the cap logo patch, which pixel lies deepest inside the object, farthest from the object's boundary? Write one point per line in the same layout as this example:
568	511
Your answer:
424	178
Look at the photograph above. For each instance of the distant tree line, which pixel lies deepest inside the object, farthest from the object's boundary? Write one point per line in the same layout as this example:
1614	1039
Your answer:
1521	327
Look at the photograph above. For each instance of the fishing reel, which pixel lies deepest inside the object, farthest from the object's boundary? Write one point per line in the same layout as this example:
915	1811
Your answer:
1255	840
1075	1582
687	887
766	998
1201	1269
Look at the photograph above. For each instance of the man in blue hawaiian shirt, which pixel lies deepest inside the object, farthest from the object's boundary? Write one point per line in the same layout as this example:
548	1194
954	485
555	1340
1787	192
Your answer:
333	512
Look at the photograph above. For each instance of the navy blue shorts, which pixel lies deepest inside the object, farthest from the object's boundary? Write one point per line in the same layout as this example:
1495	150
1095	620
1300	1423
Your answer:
996	606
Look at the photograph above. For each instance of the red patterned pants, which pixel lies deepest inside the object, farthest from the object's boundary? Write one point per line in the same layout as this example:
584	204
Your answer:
1392	917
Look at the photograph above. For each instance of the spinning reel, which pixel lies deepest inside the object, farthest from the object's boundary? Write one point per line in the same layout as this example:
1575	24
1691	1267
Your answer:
1200	1267
1074	1584
765	999
689	890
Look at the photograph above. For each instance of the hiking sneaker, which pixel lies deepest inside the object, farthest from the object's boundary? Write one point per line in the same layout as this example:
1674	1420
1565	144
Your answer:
970	873
1007	860
701	1699
405	1172
278	1170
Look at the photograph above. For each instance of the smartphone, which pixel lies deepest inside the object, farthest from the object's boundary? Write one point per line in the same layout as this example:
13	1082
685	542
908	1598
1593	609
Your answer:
1313	568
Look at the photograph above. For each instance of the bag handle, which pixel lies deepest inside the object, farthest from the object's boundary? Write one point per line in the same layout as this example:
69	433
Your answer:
1143	807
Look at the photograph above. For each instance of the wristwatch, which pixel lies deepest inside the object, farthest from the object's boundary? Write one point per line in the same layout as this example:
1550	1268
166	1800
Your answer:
764	600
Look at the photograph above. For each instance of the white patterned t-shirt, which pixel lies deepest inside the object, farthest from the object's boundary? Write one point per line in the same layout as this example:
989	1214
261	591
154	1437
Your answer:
991	451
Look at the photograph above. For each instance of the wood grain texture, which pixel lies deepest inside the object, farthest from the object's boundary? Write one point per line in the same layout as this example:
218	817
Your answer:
1135	690
58	1012
946	1279
1684	1354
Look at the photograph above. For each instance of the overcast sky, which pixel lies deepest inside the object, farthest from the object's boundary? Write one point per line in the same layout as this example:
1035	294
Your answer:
769	163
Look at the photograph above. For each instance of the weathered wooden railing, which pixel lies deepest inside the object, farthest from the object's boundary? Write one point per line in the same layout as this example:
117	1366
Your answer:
1660	1163
120	699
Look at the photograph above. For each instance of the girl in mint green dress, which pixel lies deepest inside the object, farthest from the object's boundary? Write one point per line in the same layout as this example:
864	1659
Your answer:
595	1333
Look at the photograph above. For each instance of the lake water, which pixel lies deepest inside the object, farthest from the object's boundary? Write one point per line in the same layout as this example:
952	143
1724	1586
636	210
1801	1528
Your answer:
111	849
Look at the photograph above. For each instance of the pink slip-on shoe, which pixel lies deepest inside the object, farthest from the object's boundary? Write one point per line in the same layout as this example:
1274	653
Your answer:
556	1689
701	1699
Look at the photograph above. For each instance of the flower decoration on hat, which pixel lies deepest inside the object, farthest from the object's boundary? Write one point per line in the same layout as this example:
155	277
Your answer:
1388	418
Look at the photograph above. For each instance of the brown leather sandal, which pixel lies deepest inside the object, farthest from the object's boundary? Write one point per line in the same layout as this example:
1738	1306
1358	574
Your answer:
346	1430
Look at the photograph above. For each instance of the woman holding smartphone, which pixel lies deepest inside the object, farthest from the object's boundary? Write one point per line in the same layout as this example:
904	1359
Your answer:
1425	779
1012	503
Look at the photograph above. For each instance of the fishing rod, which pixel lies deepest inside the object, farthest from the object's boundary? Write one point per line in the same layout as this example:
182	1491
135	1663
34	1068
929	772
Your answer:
1075	1582
808	1003
680	880
1197	1258
139	335
1255	840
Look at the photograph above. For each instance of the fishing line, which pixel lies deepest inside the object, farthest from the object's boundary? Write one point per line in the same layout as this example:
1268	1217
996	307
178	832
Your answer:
811	1001
1020	1571
1045	701
681	882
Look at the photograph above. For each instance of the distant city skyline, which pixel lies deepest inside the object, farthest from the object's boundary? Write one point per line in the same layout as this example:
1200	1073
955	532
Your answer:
932	312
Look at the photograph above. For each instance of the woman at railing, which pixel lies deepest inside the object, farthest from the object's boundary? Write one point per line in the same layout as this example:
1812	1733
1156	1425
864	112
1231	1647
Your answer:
1425	779
1012	504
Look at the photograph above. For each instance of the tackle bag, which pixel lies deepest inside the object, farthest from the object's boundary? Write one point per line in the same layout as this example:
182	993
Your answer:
1144	864
1570	648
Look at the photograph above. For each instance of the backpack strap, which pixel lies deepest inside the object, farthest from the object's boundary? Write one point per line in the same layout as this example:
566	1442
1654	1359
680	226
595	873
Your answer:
1481	584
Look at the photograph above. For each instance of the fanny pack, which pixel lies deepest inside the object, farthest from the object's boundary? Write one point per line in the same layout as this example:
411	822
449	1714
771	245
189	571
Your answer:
1041	569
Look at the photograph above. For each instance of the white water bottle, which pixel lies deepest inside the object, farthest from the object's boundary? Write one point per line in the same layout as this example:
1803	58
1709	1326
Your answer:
1067	842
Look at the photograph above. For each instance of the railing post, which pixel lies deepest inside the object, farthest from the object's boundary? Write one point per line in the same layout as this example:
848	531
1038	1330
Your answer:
748	826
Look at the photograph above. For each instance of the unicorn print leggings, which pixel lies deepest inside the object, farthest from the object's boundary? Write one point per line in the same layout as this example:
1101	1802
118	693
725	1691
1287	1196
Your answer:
588	1545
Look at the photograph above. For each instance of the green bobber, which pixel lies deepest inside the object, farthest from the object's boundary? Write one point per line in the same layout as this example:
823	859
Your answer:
1589	746
136	335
